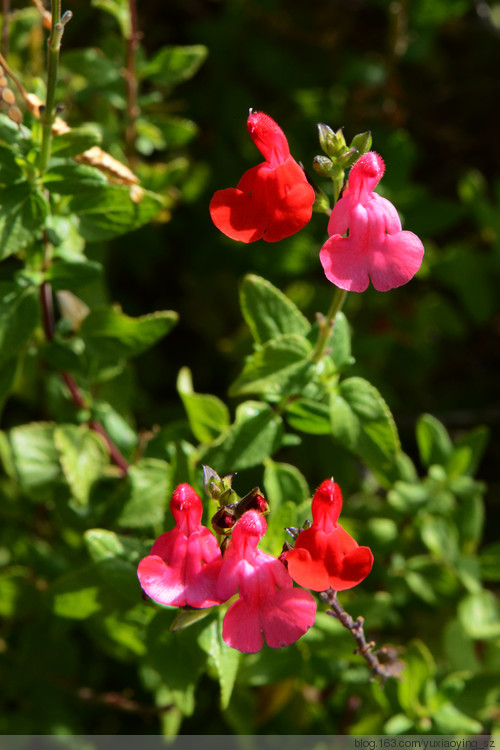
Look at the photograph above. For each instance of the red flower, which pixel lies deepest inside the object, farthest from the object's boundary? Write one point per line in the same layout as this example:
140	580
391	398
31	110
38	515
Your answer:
269	608
272	200
375	249
325	556
177	572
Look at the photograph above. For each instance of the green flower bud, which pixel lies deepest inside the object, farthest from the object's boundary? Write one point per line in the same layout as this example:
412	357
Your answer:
323	166
362	142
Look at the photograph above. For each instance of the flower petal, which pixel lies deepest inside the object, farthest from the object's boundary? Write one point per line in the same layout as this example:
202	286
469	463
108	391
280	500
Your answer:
344	263
287	616
396	261
161	582
237	215
241	628
356	565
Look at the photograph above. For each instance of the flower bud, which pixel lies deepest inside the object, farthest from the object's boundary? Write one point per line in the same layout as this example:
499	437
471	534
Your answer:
362	142
253	501
348	158
324	166
224	520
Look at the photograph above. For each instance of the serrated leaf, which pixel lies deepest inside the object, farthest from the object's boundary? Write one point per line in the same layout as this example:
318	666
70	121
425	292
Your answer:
110	335
434	443
35	459
69	178
268	312
208	415
309	416
69	275
75	141
280	367
173	64
362	422
22	213
83	457
145	494
225	659
282	483
110	210
252	438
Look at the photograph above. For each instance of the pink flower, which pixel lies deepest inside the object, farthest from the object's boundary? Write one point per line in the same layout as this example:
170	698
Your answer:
269	608
325	556
376	248
177	572
272	200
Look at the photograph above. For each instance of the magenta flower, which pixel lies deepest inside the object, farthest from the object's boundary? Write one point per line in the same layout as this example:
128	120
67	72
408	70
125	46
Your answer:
325	556
269	607
375	248
184	563
272	200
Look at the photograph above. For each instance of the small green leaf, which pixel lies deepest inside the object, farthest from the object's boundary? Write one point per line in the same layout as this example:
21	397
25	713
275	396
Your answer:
83	457
19	315
363	423
10	171
75	141
449	720
282	483
208	415
22	213
35	459
145	493
420	668
434	443
119	9
69	178
309	416
340	343
109	211
253	437
475	442
110	335
268	312
225	659
479	615
489	558
76	594
103	544
71	276
440	536
279	367
174	64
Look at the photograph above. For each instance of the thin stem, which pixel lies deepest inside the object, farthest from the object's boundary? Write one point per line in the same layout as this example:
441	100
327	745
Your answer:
53	49
390	665
131	78
326	324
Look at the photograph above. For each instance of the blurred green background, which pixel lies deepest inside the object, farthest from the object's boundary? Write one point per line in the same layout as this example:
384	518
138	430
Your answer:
422	75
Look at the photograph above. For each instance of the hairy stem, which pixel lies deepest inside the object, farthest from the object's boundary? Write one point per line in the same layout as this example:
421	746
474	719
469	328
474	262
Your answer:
53	47
326	324
384	662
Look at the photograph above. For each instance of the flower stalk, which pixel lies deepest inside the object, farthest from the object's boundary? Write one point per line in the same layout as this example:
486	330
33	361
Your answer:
326	323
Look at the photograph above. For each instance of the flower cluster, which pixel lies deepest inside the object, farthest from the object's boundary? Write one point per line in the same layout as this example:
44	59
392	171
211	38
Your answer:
274	200
186	567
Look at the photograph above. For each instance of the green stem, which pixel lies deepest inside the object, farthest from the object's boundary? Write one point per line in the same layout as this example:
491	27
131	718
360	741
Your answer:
326	324
49	114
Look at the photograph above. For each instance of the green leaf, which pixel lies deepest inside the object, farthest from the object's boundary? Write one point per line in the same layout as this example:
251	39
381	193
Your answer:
8	369
340	343
309	416
119	9
420	668
479	615
449	720
474	442
145	494
253	437
208	415
69	275
284	482
69	178
110	335
103	544
224	658
75	141
19	315
268	312
22	213
174	64
35	459
434	443
281	366
76	594
362	422
83	456
10	171
440	536
489	557
109	211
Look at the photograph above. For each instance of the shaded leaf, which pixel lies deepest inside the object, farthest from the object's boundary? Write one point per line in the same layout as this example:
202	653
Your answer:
208	415
83	456
145	494
225	659
268	312
434	443
174	64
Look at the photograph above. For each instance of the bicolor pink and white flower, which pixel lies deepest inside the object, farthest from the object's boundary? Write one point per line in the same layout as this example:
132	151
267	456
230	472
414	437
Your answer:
183	566
272	200
269	608
375	249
